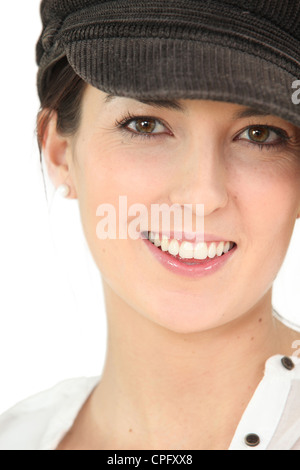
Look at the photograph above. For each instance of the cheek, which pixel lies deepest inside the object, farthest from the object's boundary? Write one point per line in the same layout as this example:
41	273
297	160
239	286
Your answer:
117	169
264	202
108	170
267	197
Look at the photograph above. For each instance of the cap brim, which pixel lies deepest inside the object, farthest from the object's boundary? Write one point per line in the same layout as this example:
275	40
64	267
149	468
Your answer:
189	50
173	69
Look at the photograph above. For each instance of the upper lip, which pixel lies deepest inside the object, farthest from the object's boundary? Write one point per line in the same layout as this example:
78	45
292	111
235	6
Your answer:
192	237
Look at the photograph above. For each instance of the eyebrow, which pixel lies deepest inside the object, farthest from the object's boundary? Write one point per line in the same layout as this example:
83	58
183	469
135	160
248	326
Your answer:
175	105
249	112
167	104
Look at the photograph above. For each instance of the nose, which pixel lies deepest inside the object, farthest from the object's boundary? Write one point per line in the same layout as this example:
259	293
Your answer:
201	179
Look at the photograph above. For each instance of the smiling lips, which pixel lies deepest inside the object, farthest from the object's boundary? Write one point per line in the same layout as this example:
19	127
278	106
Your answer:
188	250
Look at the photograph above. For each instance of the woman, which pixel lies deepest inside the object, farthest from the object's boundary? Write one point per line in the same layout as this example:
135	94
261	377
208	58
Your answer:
193	105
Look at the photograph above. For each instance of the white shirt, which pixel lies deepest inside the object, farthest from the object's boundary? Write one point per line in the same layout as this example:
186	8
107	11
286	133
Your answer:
272	415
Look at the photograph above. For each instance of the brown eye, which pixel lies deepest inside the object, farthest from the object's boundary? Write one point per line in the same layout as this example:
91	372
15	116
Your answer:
145	125
259	134
264	136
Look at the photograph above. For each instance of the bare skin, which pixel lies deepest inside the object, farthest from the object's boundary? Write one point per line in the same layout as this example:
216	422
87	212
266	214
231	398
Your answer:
183	356
197	406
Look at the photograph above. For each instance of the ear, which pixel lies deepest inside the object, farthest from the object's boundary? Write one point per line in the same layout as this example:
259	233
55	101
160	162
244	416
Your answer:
57	153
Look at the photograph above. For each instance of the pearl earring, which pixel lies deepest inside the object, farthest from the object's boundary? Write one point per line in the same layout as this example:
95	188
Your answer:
63	190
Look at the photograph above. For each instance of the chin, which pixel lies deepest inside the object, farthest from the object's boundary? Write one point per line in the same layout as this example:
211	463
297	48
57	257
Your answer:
189	319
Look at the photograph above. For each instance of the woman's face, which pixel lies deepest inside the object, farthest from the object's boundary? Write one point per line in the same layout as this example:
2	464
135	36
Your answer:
244	170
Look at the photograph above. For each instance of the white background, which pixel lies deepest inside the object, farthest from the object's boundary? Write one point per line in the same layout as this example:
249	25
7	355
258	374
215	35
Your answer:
52	317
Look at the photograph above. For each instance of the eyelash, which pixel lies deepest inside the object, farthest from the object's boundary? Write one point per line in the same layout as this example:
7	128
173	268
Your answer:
284	138
128	118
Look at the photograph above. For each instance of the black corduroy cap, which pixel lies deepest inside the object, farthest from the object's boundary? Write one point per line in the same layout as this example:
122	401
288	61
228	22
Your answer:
239	51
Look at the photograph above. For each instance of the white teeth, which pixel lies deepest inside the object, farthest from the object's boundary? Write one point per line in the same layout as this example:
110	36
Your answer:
200	251
226	247
187	249
220	248
212	250
157	240
164	243
173	247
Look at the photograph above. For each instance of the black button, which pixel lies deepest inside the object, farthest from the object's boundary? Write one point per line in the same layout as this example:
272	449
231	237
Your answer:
287	363
252	440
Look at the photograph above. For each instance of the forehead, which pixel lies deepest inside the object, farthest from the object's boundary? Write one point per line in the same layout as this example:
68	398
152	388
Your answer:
243	112
109	102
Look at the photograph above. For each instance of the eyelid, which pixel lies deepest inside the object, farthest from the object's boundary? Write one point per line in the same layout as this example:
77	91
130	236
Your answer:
277	130
128	118
157	122
124	122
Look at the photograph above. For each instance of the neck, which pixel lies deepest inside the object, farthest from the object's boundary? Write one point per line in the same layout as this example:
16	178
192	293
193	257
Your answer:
155	380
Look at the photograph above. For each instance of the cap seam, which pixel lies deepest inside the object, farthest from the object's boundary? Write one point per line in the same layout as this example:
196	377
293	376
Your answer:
232	12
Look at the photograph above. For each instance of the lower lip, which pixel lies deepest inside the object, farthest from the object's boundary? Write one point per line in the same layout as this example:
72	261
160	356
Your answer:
199	269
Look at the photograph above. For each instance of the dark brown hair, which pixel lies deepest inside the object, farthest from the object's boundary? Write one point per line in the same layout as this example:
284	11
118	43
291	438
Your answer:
62	95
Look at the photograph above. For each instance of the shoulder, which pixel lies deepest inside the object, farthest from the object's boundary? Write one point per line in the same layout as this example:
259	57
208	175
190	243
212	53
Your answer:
40	418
